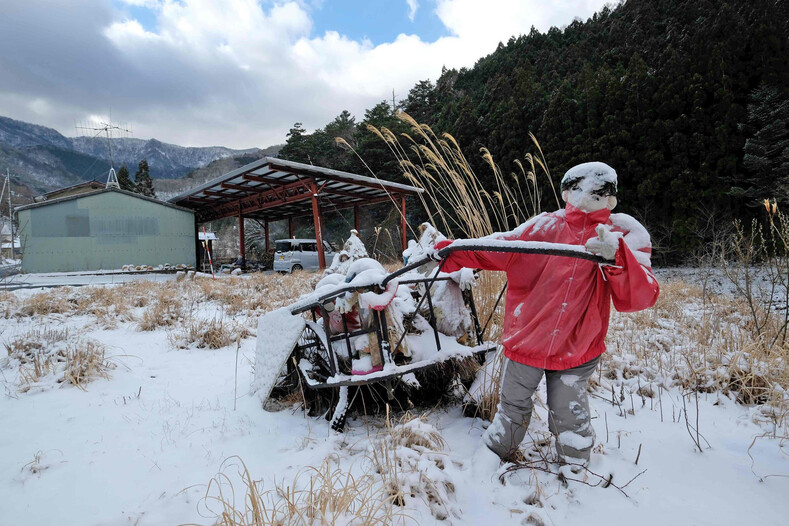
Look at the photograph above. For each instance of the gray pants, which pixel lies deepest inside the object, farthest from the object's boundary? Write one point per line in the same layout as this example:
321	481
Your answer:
568	407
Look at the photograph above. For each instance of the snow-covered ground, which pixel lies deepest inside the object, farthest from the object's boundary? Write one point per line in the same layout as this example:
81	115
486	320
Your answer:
173	426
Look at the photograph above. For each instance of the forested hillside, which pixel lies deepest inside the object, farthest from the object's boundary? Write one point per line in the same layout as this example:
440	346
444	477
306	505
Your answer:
688	101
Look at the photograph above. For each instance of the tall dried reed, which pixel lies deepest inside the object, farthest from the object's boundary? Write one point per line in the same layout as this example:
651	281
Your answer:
457	202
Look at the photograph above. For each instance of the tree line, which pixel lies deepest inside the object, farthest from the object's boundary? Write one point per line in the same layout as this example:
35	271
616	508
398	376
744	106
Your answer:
688	101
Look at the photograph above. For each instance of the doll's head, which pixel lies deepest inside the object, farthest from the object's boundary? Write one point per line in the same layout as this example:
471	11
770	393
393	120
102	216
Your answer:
590	187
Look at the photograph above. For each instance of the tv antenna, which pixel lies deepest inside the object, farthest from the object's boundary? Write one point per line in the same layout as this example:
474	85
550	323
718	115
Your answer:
7	184
107	128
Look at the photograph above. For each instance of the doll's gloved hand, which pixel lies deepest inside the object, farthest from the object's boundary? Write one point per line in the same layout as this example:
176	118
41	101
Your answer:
433	254
465	278
605	244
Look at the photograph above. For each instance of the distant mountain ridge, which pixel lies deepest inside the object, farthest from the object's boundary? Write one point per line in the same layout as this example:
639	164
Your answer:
43	159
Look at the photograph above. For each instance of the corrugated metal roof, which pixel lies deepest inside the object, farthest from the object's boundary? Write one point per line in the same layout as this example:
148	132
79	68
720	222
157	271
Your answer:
97	192
272	189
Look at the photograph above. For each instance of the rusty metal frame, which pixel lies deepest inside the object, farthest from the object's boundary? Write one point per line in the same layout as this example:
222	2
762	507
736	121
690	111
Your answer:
272	189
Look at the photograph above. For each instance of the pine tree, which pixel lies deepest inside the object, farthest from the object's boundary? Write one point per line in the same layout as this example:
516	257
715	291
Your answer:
421	102
124	179
295	148
143	180
372	149
766	158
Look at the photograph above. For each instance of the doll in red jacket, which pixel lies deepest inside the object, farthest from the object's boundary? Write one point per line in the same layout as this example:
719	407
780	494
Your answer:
557	311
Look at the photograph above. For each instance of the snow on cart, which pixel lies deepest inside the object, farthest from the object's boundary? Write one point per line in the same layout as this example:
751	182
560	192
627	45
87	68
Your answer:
395	333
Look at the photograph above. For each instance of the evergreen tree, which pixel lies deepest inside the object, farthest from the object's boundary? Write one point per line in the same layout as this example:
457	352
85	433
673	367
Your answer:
372	149
766	152
421	102
143	180
341	134
295	148
124	179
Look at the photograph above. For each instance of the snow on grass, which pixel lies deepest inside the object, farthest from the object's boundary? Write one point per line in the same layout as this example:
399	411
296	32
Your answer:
690	422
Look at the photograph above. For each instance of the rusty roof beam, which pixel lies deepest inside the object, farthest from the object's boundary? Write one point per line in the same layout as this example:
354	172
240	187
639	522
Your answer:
218	194
354	195
319	174
263	179
243	188
295	191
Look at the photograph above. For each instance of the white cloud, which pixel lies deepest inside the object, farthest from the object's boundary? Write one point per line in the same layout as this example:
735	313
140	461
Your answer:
413	5
40	107
493	21
239	72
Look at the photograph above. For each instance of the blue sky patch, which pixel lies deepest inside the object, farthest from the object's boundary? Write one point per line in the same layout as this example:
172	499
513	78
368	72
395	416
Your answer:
145	16
379	21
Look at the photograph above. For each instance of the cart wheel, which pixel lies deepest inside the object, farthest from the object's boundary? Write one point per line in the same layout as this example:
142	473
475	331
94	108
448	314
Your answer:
318	401
291	379
311	347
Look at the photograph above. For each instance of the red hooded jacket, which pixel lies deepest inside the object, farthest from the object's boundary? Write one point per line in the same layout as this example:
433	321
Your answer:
557	307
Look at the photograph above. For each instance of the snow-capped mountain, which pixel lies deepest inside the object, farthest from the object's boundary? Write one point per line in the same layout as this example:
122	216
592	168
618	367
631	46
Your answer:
42	159
167	161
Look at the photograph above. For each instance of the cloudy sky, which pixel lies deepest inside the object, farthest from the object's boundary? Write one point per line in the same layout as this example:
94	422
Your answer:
239	73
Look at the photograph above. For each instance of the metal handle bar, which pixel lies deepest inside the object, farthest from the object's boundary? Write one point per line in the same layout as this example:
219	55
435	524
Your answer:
444	252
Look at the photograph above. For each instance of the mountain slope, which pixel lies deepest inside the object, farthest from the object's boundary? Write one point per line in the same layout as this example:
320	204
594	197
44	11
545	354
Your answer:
41	159
166	188
167	161
18	134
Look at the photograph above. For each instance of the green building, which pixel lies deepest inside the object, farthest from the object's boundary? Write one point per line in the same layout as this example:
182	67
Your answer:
104	229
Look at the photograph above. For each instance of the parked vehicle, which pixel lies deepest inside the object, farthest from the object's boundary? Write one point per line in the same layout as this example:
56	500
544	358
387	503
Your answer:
300	254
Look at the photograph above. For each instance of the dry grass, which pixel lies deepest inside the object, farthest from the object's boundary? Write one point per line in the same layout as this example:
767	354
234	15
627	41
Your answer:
165	303
85	361
411	458
46	357
324	495
699	343
55	301
166	309
8	304
139	293
483	401
212	334
405	462
24	348
109	305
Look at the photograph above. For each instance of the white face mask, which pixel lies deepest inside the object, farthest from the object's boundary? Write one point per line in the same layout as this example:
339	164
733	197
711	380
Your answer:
588	202
583	184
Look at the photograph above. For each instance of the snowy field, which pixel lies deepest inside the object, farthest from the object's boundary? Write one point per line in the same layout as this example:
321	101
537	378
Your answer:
128	403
